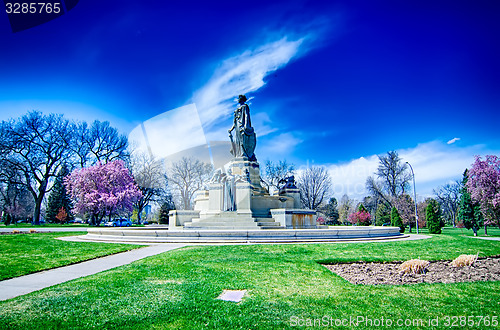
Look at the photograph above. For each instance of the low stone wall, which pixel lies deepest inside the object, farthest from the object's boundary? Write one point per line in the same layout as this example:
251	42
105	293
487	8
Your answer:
177	218
295	218
158	235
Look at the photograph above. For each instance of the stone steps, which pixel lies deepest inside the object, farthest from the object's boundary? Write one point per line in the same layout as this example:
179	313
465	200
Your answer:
225	222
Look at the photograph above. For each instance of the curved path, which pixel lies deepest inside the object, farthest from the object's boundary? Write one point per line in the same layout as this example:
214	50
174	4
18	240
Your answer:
33	282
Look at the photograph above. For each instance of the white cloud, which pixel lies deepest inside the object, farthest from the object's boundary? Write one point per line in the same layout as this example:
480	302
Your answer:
434	164
262	124
349	178
170	132
278	146
195	124
453	140
241	74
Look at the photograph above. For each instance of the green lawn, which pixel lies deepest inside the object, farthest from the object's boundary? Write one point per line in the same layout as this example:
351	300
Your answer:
492	231
23	254
286	286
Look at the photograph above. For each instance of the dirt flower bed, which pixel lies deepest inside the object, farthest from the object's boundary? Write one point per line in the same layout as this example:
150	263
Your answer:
484	269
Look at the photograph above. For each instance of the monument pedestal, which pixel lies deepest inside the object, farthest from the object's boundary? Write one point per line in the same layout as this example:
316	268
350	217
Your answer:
235	199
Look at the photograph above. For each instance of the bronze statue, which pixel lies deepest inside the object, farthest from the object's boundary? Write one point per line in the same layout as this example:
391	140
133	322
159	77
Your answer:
243	144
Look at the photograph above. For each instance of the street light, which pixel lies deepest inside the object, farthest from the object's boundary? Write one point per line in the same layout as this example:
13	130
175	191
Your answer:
415	195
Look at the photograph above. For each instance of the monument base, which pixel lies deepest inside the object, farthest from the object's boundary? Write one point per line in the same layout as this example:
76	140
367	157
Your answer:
162	235
235	199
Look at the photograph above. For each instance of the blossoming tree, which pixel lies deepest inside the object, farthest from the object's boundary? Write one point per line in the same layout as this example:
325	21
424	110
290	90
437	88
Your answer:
102	190
361	217
483	185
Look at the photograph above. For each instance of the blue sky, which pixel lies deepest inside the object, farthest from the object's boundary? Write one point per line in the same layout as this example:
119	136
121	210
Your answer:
330	82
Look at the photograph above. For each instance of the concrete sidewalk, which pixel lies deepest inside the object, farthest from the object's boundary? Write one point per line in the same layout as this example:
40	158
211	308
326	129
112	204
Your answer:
25	284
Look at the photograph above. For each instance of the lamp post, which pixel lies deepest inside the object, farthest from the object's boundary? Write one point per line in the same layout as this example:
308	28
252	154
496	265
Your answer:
414	195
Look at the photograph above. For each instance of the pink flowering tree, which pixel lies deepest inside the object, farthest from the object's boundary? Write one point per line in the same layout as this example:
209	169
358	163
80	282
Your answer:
102	190
483	185
360	218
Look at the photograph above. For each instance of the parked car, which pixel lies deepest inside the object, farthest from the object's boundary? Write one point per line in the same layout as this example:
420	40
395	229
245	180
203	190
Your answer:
118	223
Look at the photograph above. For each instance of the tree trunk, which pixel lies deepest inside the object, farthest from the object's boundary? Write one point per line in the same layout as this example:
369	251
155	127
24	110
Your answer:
139	215
93	219
485	230
38	209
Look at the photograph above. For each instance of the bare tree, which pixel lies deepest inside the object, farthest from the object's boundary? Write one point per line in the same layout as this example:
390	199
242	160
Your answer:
393	174
448	197
314	184
98	143
375	188
346	207
15	200
149	175
187	177
393	179
406	209
275	173
35	147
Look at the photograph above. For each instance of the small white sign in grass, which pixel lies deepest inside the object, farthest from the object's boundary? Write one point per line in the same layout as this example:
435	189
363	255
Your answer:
232	295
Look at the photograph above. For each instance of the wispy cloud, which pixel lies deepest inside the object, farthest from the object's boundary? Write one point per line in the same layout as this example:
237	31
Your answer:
169	133
281	145
453	140
243	73
434	163
216	99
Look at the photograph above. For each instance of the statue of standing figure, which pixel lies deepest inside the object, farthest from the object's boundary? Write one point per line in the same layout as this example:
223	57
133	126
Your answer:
244	141
228	191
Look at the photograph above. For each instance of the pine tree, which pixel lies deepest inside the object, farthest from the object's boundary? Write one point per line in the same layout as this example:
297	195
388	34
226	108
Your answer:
396	220
469	212
332	212
166	207
383	214
433	216
59	198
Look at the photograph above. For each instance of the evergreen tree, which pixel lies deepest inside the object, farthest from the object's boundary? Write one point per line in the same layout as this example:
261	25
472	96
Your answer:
469	212
433	216
361	208
332	212
383	214
59	198
396	220
166	206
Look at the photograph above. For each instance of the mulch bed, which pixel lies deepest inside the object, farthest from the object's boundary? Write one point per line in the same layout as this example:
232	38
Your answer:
484	269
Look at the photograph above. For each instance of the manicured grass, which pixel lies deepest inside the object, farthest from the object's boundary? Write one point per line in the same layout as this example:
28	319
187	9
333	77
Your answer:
492	231
28	253
286	284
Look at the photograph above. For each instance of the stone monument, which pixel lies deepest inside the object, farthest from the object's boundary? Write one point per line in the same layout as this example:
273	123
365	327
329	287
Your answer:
235	197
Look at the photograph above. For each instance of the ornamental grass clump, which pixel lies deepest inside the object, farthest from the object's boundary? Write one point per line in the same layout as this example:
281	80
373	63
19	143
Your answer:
414	266
464	260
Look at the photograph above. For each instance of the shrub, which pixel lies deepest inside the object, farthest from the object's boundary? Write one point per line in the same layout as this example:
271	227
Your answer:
361	218
433	216
414	266
61	216
320	221
464	260
396	220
